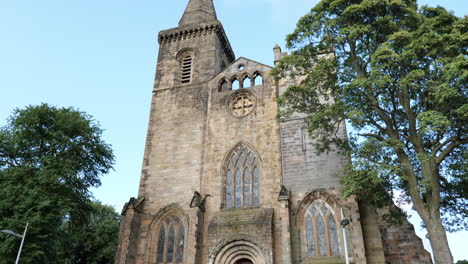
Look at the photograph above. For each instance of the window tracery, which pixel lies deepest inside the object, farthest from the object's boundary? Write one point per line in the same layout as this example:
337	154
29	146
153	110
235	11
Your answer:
242	104
242	179
321	233
170	243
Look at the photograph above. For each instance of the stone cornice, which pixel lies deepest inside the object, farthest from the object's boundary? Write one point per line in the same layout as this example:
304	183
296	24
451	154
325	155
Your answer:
193	31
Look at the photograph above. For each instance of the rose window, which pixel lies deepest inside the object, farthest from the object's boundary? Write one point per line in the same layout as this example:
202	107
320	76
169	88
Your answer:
242	104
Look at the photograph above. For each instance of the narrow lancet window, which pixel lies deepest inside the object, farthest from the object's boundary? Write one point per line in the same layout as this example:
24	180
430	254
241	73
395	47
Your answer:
238	188
229	188
246	83
180	245
258	80
256	186
310	236
235	85
242	179
160	252
170	245
247	186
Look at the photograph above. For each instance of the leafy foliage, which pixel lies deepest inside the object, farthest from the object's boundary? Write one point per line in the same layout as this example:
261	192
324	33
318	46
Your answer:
49	158
92	243
399	76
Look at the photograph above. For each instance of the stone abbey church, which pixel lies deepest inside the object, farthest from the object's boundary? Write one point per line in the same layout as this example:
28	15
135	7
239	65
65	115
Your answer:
224	181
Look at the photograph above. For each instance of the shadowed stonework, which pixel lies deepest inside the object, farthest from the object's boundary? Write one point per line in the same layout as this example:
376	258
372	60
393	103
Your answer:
224	181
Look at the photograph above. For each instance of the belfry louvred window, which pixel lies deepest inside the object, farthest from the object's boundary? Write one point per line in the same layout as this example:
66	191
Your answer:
186	69
242	178
170	244
321	230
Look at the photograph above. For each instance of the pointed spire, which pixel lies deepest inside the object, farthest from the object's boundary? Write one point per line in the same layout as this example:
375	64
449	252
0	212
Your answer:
198	11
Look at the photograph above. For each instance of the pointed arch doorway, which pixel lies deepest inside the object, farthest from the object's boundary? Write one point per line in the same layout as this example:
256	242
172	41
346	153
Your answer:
244	261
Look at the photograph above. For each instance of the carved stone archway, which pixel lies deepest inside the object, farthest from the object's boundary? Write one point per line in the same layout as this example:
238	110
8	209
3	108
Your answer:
237	252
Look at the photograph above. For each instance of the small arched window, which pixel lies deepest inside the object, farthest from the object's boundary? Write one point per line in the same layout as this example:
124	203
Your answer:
258	79
186	69
247	82
170	244
321	230
235	84
242	178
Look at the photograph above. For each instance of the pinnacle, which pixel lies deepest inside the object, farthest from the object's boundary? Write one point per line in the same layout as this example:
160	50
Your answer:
198	11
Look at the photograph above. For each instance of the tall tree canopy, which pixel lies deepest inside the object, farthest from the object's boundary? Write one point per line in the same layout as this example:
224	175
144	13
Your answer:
399	76
49	158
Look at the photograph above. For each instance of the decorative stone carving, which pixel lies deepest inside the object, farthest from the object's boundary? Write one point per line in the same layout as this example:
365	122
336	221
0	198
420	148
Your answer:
242	104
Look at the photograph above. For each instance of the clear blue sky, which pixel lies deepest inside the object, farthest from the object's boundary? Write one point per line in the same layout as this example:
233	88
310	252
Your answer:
100	57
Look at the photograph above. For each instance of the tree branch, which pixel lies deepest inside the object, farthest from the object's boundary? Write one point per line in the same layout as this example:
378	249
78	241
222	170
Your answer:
449	149
441	145
372	135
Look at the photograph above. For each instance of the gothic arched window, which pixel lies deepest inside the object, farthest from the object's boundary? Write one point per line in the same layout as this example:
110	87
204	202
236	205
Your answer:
258	79
321	230
170	244
242	178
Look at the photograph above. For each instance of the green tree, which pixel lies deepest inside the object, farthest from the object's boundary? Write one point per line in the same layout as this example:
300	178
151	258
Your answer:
49	158
92	243
399	76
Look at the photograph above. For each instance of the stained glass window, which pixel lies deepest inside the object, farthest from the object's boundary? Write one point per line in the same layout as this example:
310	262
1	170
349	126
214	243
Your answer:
180	245
333	235
238	188
242	179
161	239
170	245
322	240
256	186
247	186
310	236
229	189
170	248
321	231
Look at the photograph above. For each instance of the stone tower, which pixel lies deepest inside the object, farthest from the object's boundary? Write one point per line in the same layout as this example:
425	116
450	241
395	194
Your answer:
224	181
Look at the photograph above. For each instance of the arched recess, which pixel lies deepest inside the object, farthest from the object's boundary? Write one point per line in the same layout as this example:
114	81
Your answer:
241	174
223	85
167	236
318	220
234	250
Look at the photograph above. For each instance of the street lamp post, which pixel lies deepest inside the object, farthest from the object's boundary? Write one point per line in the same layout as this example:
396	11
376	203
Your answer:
22	239
344	223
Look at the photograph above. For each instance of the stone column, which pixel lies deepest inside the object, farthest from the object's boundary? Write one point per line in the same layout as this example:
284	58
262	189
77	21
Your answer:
285	239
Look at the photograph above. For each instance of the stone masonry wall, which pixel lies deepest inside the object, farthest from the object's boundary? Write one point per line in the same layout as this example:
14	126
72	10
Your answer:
173	159
259	131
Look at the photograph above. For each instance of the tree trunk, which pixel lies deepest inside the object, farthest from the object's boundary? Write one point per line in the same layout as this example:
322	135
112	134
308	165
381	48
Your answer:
438	239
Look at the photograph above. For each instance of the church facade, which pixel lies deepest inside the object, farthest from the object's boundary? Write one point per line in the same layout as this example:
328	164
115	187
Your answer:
224	181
